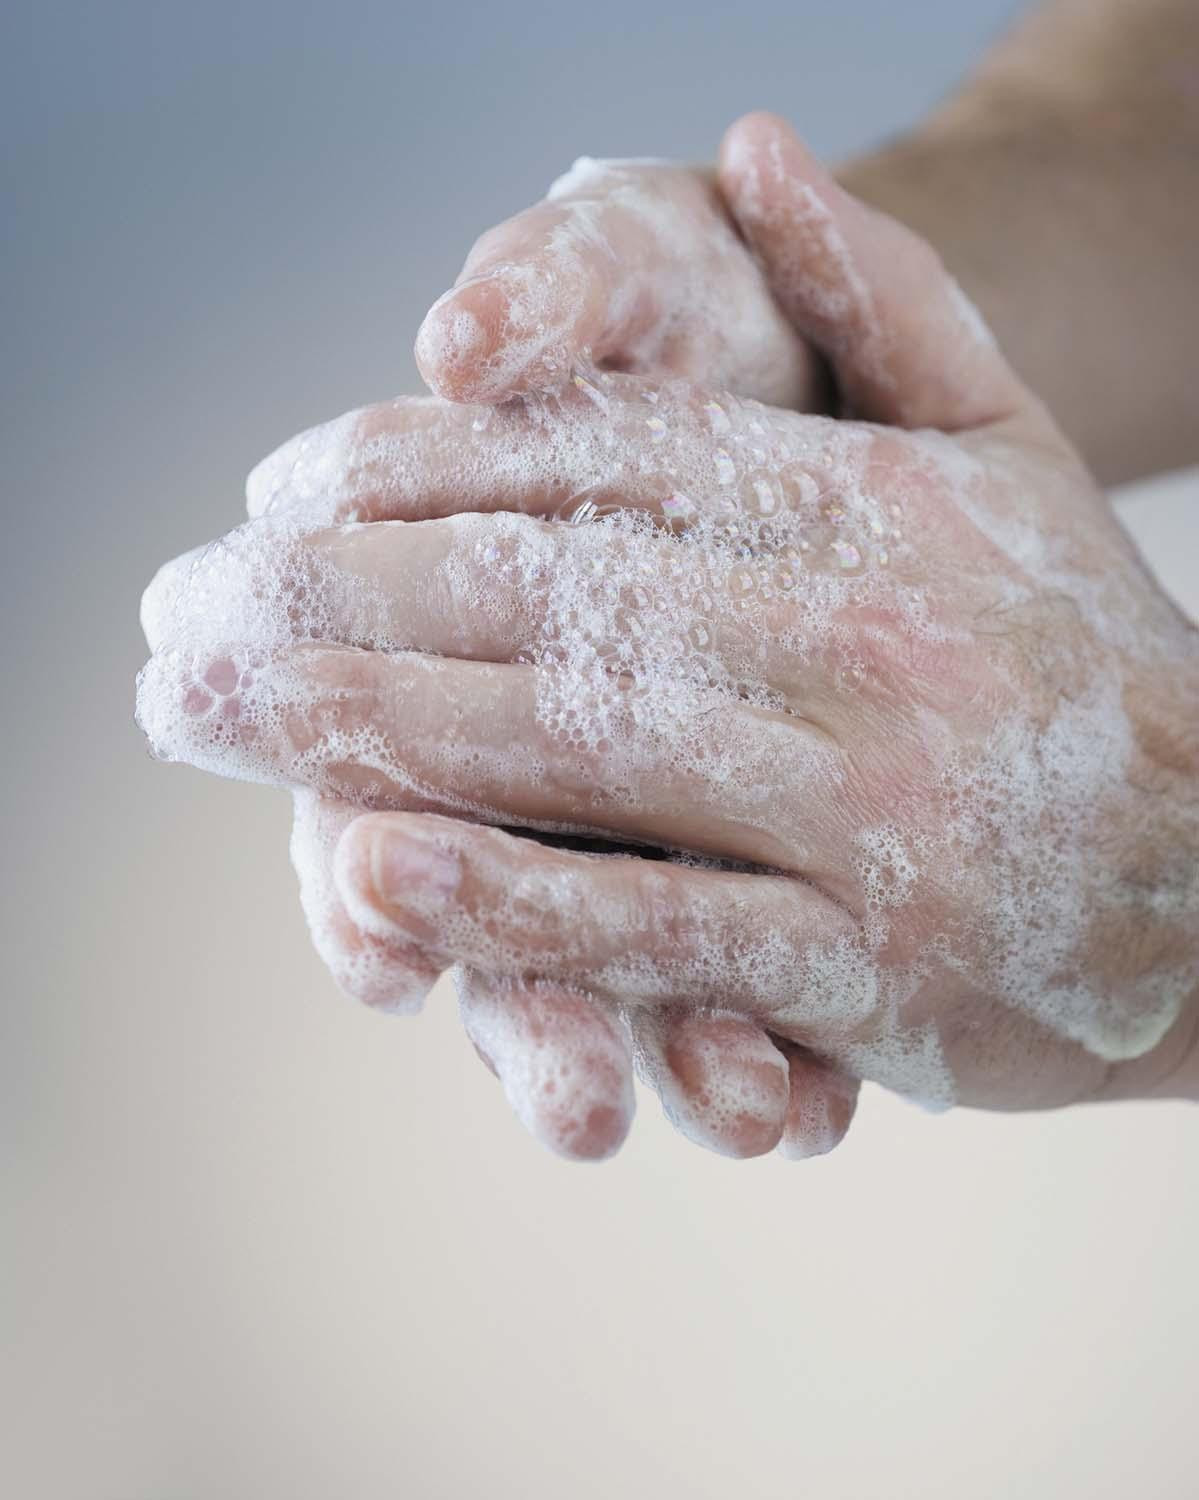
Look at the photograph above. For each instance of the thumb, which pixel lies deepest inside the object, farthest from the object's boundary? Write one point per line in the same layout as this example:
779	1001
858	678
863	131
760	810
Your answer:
904	342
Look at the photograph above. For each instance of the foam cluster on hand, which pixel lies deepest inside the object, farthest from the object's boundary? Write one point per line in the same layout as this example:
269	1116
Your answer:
637	257
562	1060
744	530
698	586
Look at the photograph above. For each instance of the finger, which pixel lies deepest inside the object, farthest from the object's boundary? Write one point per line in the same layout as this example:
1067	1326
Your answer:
633	265
416	458
906	346
646	931
563	1061
721	1080
610	440
672	763
508	588
821	1105
383	972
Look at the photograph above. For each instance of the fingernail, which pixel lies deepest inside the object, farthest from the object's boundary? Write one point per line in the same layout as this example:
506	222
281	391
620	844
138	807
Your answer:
404	867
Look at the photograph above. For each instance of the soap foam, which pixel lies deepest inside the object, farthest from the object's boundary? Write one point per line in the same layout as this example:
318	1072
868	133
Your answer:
721	1080
689	297
755	552
562	1059
378	972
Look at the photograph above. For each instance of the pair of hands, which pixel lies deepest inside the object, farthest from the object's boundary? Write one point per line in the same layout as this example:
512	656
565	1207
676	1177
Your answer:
894	694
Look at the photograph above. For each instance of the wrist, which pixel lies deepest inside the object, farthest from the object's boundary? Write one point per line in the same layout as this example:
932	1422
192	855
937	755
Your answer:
1071	244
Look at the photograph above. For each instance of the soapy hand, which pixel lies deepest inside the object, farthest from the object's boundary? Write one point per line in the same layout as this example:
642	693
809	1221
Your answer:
635	265
628	265
906	698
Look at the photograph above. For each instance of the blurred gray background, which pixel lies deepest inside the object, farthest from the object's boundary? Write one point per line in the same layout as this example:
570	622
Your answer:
257	1243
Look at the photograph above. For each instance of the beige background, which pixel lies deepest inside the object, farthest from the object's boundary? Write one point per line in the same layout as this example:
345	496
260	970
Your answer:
258	1243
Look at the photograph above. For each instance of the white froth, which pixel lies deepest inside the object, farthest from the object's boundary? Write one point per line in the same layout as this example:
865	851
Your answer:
588	172
805	240
721	1080
563	1062
708	559
689	297
312	467
381	974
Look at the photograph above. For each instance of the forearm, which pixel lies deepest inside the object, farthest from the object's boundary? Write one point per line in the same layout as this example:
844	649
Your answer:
1061	186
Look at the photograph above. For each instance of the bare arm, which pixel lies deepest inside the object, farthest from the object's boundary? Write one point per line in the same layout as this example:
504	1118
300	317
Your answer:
1061	186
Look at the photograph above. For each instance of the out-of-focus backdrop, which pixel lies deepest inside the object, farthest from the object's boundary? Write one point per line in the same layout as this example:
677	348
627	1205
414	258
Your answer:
258	1243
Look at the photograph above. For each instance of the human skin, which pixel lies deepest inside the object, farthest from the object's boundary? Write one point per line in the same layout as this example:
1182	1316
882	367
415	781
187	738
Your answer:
656	256
968	790
1060	185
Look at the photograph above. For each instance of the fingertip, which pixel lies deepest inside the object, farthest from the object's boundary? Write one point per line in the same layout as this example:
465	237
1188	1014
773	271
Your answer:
351	853
310	469
352	875
746	135
265	480
762	148
186	707
385	977
457	341
162	597
907	346
395	872
370	975
721	1080
562	1061
820	1107
268	484
501	333
597	1136
533	298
